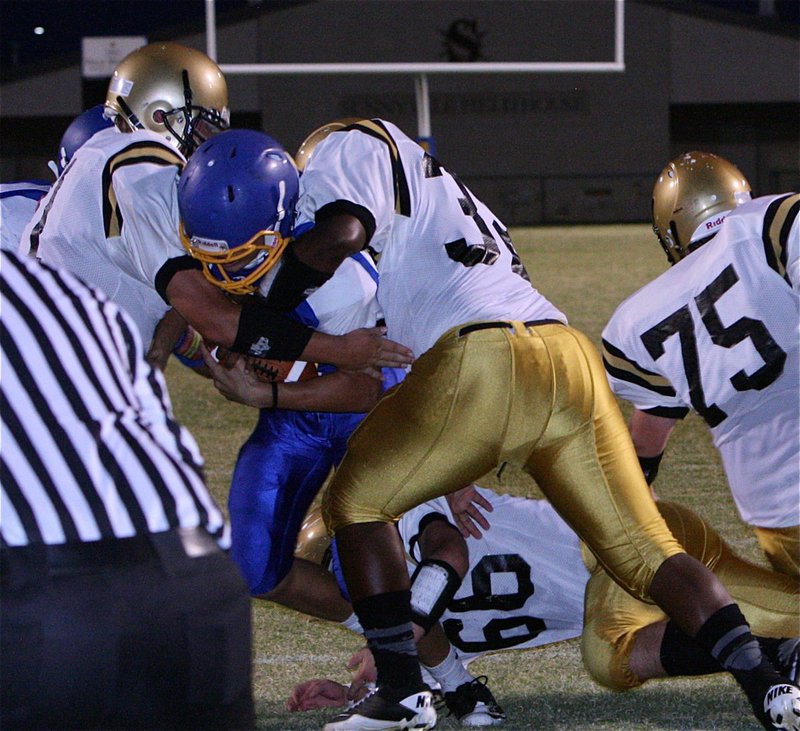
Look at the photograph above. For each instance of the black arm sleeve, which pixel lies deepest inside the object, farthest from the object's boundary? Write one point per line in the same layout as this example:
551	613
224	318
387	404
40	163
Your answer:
294	281
266	333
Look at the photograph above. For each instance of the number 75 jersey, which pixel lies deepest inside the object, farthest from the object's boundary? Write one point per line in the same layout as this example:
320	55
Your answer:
719	333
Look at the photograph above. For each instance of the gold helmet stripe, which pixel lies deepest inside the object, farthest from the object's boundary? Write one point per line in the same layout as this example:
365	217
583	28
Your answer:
135	154
778	220
620	366
402	196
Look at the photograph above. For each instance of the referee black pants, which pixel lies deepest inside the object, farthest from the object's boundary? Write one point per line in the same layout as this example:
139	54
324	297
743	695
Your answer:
146	637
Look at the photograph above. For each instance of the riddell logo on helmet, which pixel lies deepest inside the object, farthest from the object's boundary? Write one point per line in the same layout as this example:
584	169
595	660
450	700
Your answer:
711	225
212	246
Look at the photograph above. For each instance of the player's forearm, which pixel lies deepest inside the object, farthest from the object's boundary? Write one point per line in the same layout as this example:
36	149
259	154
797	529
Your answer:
338	392
650	433
205	307
310	589
255	328
312	259
330	242
167	334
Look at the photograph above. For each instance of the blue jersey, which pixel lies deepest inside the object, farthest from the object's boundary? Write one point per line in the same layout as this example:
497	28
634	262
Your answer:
289	455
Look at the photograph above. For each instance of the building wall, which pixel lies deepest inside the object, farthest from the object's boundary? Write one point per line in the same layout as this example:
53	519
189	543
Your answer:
537	147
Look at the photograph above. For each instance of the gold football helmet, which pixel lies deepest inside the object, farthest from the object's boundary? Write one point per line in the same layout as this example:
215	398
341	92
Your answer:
313	540
690	199
307	146
173	90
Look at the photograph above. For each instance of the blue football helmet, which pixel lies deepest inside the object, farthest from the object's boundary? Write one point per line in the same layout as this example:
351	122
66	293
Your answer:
237	197
81	128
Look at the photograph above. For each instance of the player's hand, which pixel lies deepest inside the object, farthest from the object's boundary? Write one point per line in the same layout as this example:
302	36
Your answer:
317	693
170	332
234	381
366	673
466	505
367	348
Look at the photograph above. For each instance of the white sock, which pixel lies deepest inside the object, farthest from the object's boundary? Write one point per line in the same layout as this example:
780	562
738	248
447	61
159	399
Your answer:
450	673
353	624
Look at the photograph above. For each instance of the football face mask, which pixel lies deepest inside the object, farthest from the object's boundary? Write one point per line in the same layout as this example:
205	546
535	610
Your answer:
236	197
240	269
172	90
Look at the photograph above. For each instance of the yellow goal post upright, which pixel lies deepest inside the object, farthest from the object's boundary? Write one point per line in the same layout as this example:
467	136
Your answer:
421	71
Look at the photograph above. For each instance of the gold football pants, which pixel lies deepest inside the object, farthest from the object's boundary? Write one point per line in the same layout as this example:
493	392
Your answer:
769	600
534	396
781	546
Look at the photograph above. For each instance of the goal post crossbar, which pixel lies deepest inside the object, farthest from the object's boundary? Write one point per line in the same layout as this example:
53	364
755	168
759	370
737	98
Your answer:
472	67
421	71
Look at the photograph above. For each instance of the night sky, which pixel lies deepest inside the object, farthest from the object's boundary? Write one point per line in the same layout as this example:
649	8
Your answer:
65	22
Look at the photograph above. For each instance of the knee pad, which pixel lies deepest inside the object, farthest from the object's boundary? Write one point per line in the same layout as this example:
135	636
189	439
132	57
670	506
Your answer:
433	585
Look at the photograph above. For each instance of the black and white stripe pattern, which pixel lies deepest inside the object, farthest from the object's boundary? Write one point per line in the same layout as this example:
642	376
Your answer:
90	448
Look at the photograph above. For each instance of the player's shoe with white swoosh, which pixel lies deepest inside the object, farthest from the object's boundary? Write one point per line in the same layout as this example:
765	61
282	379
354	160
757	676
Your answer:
782	707
377	711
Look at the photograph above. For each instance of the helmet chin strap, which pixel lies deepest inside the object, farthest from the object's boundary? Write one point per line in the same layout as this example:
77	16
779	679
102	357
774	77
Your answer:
186	140
187	89
130	117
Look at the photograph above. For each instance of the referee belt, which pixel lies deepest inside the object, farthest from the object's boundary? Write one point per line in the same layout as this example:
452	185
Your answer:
173	549
489	324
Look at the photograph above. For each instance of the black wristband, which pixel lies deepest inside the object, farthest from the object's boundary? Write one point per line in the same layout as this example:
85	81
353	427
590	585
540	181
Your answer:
294	281
649	466
274	396
266	333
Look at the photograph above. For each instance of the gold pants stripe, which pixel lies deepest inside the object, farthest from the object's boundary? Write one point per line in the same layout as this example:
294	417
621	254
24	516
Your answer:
536	397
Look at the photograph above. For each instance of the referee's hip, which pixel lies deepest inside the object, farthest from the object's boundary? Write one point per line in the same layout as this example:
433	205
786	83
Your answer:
173	550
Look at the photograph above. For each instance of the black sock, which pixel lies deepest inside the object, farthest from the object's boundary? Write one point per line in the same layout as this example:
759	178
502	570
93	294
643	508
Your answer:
386	619
681	655
726	635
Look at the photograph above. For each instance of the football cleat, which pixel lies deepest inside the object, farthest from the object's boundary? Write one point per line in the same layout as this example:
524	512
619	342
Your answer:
782	707
474	705
377	712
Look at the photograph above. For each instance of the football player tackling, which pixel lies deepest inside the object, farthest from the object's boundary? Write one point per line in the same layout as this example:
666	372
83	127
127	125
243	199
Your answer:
500	377
112	219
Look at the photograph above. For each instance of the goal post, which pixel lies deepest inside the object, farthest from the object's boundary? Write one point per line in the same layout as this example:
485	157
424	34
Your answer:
421	71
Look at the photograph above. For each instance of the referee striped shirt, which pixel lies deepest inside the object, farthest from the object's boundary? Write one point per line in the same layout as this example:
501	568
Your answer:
89	448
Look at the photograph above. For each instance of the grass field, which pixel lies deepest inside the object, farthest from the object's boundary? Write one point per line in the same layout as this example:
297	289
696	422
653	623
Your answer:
586	271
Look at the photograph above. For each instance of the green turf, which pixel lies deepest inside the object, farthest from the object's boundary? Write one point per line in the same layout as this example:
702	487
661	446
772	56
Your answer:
586	271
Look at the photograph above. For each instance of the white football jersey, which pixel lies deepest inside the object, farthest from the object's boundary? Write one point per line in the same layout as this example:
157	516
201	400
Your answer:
345	302
18	203
719	333
525	582
444	258
112	219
